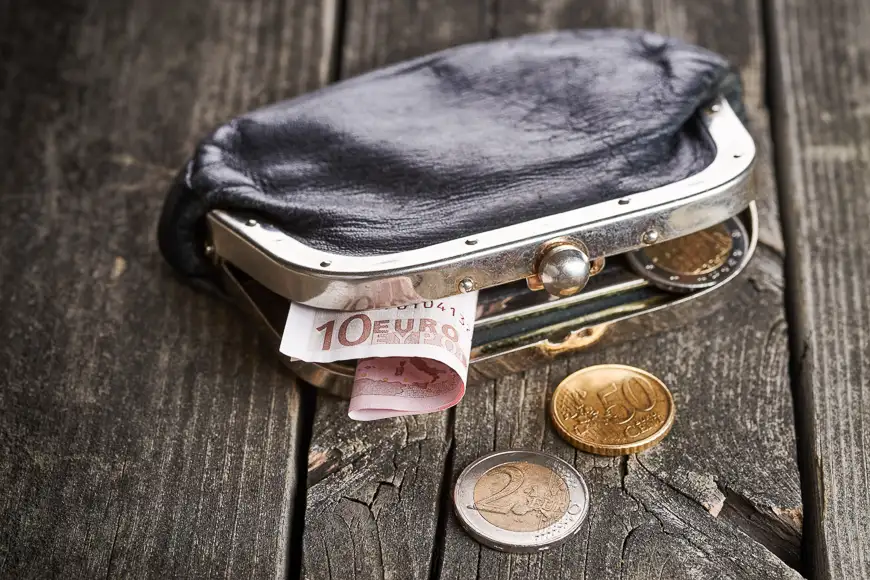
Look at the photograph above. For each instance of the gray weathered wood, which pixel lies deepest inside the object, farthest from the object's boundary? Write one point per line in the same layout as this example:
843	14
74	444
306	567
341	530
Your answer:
373	497
143	431
374	488
719	497
821	74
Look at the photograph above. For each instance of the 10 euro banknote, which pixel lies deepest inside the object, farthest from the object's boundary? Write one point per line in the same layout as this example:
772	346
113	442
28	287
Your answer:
411	359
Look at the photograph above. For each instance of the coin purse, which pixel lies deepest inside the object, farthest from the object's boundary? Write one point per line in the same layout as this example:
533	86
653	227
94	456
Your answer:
592	185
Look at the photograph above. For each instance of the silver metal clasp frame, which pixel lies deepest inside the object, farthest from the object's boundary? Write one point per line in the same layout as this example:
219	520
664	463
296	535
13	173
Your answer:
517	327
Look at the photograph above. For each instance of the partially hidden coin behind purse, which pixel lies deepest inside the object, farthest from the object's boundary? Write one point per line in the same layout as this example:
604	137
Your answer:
520	501
612	409
693	262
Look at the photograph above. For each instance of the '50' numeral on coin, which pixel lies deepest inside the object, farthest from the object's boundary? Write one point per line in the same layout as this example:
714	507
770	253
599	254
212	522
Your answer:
637	395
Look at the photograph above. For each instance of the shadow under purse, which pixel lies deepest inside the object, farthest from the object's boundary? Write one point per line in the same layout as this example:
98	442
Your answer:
593	185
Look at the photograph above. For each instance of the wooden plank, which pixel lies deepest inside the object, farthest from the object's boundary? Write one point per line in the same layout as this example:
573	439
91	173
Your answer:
374	488
720	496
143	431
821	84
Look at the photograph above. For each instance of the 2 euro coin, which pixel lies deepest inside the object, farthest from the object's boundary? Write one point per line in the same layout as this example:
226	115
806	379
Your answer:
521	501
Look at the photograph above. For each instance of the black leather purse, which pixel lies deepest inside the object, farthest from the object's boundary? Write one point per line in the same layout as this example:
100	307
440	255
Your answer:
614	162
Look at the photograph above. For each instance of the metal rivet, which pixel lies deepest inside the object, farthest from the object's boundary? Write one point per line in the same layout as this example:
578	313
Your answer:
252	222
209	250
466	285
325	264
470	242
649	237
715	108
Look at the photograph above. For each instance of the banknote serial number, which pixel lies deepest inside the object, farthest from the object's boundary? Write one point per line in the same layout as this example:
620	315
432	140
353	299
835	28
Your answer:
437	306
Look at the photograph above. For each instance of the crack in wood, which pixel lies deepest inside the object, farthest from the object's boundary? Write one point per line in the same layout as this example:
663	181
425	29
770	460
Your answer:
779	535
761	525
436	560
117	522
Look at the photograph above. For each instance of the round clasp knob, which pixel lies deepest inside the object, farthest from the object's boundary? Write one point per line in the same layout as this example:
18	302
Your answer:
564	270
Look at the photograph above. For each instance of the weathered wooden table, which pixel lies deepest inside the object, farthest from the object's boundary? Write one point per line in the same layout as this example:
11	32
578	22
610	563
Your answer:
145	432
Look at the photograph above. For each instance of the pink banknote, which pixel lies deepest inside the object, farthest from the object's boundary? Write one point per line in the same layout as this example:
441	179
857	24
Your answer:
393	386
411	359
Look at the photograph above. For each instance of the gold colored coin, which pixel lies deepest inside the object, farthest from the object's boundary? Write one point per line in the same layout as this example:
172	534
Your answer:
695	254
521	496
612	409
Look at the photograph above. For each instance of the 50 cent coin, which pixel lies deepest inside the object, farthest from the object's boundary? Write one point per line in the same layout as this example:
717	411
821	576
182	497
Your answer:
612	409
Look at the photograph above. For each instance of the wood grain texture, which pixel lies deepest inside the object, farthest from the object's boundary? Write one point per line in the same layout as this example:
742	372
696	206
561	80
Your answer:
373	497
374	488
143	431
720	496
821	71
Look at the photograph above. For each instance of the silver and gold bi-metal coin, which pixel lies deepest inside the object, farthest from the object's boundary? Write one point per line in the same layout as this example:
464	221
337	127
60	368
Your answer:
612	409
520	501
696	261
